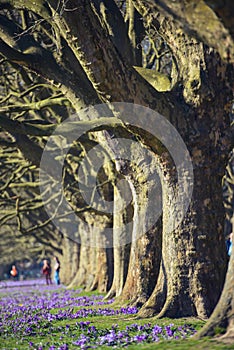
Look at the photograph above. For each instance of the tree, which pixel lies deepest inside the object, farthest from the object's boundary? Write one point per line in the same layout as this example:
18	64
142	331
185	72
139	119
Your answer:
21	210
158	55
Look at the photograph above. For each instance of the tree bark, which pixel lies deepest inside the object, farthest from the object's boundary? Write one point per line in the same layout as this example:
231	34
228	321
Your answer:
223	315
187	257
205	20
85	274
104	264
69	260
145	253
121	234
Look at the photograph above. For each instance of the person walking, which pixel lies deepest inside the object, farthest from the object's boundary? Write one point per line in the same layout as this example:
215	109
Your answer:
46	270
56	270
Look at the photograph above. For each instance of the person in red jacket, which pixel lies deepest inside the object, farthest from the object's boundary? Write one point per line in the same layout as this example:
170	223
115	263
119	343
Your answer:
46	270
14	272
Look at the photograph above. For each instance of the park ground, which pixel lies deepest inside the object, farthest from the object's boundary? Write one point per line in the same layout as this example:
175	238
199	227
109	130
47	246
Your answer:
35	316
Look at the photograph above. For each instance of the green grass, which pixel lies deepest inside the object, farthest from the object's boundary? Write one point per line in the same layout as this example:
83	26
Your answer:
53	331
184	345
166	345
101	322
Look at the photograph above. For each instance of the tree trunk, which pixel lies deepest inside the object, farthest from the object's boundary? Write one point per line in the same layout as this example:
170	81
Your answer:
190	254
69	260
223	316
121	233
143	268
145	253
195	249
104	264
87	268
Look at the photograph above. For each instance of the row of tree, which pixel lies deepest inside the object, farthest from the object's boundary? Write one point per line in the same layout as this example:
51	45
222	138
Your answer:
174	58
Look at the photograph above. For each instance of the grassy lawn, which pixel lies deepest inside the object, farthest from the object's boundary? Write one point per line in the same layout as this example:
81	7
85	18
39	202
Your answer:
50	318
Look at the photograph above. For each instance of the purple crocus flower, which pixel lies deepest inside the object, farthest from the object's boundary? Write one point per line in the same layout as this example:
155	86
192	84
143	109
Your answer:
140	338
